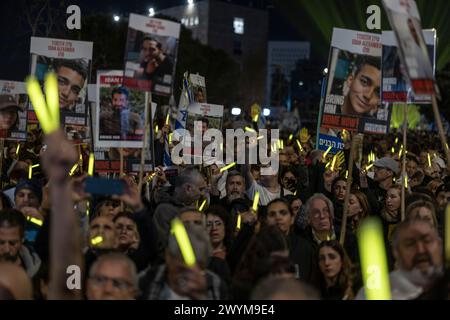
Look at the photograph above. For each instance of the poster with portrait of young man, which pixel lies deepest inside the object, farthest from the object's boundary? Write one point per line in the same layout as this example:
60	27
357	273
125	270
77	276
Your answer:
404	19
151	53
394	75
71	61
13	106
352	95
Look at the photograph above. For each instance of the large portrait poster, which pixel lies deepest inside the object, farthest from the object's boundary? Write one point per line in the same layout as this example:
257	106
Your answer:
120	112
71	61
352	96
107	158
13	110
150	55
405	22
394	75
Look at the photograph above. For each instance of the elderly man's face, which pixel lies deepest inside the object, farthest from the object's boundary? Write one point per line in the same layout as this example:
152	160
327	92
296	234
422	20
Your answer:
112	281
235	187
319	216
364	94
419	247
70	83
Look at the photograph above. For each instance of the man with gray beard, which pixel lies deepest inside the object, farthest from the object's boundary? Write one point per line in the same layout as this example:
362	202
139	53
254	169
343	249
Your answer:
417	249
234	187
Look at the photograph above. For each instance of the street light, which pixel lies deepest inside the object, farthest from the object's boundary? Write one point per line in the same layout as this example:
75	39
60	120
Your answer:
325	71
151	12
190	2
236	111
266	112
116	18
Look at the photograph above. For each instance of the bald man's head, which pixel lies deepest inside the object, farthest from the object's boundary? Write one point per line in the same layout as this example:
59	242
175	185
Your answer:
14	279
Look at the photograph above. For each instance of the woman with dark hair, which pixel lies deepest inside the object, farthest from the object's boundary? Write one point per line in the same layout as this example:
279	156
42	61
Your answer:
264	248
335	276
358	208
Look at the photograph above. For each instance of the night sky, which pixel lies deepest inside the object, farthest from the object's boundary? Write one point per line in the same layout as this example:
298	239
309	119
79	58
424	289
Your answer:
294	20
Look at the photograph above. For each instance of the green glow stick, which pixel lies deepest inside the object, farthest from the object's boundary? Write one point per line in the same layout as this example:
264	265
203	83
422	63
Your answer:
373	260
255	201
228	167
52	97
183	242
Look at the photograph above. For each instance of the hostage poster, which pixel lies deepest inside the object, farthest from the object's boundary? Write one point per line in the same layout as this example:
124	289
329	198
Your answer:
150	55
13	106
352	94
405	22
71	61
395	85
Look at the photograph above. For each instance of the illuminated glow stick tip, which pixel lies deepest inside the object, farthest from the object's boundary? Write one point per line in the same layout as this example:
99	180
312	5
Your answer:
91	164
228	167
30	172
406	181
369	166
249	129
167	118
51	93
35	221
238	223
72	171
291	136
333	163
183	242
373	260
202	205
429	159
97	240
299	145
17	149
156	129
326	152
255	201
39	104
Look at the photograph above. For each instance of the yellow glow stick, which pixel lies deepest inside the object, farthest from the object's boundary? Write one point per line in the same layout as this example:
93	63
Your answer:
35	221
392	150
255	201
259	137
333	163
97	240
406	181
227	167
447	236
429	160
156	129
170	138
167	118
326	152
249	129
52	97
291	136
369	166
396	140
72	171
91	164
238	223
346	174
17	149
30	172
183	242
255	118
299	145
202	205
295	192
373	260
39	104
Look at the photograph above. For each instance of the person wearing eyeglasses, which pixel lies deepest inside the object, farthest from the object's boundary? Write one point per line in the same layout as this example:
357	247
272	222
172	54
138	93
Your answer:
112	277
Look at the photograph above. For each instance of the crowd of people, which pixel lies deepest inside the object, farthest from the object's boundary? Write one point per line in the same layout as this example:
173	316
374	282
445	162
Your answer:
290	247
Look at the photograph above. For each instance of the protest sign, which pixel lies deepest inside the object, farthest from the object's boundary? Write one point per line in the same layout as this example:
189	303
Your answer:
71	61
13	106
150	55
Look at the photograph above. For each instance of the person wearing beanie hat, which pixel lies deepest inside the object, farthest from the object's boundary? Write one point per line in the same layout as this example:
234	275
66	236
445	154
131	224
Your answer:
28	198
